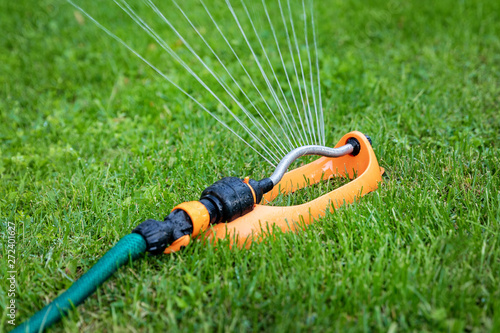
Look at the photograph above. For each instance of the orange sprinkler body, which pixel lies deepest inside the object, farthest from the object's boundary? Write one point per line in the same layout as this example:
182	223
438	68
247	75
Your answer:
249	227
261	218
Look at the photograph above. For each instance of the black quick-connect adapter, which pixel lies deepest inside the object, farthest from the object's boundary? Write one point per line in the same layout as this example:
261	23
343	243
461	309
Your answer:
223	201
232	197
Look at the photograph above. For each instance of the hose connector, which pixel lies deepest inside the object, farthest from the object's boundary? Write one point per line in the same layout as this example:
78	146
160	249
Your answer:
232	197
160	234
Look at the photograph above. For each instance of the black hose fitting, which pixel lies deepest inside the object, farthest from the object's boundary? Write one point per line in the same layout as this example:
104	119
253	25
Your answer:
160	234
232	197
356	146
229	199
225	201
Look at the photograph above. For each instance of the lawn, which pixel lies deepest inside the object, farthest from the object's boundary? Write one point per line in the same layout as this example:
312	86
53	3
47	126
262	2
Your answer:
92	142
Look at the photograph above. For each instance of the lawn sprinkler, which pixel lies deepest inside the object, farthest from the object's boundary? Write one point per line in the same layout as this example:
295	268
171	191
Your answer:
235	209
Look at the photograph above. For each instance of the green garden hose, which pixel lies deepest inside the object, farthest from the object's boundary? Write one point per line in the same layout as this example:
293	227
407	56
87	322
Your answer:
128	248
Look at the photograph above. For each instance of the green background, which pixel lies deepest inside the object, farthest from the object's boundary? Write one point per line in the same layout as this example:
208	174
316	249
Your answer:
93	143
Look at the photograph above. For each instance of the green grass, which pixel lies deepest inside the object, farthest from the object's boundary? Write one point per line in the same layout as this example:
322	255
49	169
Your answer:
93	142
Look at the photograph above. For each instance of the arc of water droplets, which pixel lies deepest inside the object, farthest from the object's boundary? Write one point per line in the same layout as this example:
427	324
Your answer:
240	63
290	49
302	139
280	146
125	7
309	113
228	72
276	97
321	120
271	159
310	68
288	125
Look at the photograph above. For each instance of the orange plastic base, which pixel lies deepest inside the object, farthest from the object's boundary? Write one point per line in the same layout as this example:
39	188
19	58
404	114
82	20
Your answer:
251	226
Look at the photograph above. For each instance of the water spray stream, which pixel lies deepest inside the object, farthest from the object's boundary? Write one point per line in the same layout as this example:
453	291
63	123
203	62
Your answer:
280	144
271	159
310	71
307	104
284	115
321	120
127	9
309	139
271	137
256	59
240	62
302	140
285	129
